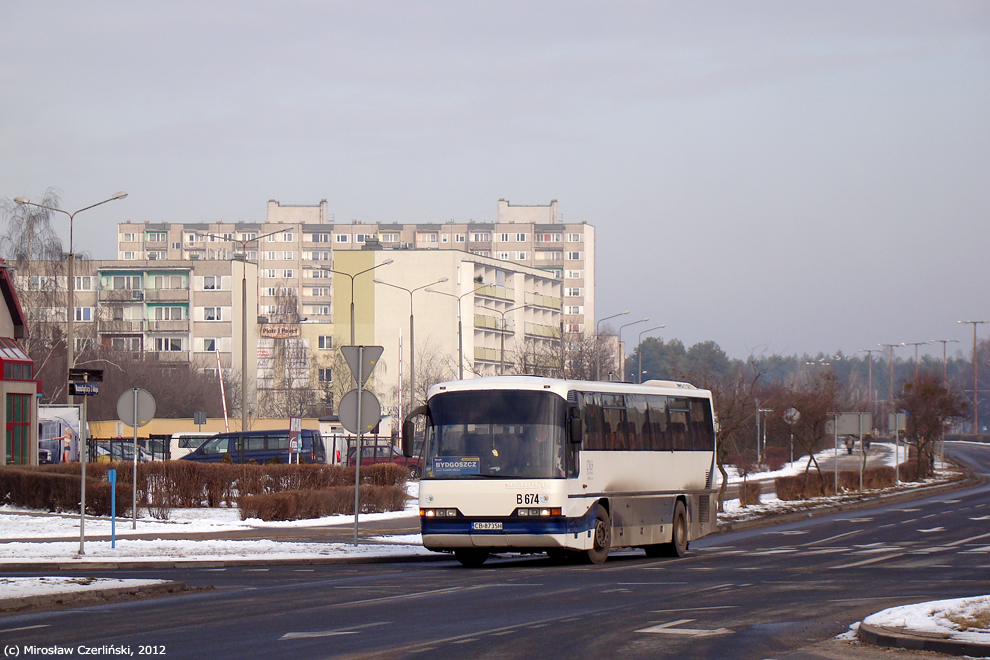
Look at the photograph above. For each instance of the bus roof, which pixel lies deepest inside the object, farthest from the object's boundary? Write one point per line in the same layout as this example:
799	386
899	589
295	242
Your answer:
562	387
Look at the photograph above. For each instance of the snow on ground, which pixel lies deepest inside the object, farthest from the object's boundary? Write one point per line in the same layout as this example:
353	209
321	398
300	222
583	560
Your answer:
940	617
18	527
22	587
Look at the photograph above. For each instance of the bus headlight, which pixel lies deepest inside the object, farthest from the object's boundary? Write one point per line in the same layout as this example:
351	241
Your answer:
543	512
439	513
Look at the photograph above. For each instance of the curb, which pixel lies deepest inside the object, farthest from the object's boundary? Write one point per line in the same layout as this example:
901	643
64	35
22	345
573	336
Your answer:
8	605
916	641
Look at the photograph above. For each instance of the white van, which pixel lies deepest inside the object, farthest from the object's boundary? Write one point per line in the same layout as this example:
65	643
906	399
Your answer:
185	443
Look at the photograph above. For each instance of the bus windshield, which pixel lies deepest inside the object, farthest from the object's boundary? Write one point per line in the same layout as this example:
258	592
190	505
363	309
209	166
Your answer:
495	434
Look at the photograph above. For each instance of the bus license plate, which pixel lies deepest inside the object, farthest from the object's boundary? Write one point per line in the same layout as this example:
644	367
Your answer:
487	526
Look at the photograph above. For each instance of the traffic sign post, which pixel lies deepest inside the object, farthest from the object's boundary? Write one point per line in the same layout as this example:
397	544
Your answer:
83	382
136	407
362	361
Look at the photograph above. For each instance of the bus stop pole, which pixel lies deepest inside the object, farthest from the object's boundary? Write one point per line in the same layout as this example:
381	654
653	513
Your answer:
83	457
134	393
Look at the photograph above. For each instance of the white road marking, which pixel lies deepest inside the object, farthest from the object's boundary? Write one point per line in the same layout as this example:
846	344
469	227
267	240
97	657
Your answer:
932	530
352	630
669	629
8	630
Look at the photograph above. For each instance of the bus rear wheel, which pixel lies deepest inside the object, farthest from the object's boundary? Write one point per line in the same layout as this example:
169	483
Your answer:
602	537
471	557
678	545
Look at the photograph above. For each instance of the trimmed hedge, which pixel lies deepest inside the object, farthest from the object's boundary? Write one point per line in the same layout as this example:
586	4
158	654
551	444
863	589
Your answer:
164	485
300	504
59	492
808	485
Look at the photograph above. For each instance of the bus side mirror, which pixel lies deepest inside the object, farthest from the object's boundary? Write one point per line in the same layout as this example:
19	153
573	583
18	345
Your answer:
574	429
409	431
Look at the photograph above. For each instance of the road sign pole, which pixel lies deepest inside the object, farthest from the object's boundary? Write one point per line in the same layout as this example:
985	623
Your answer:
134	393
83	452
357	449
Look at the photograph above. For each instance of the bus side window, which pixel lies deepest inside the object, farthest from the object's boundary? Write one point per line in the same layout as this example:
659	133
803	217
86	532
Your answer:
657	412
591	414
614	414
679	424
639	423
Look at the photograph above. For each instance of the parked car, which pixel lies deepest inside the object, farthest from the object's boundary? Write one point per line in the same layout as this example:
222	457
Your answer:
387	454
259	446
120	451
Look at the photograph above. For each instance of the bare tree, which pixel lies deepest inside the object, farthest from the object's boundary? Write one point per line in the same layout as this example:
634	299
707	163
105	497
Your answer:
733	397
817	401
930	405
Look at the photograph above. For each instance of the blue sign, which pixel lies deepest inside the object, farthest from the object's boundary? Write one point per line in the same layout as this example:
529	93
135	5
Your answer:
84	389
454	466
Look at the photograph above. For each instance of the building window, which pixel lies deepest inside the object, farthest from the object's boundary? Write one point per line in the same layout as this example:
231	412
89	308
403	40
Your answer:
522	256
482	253
210	344
458	238
320	274
125	343
574	309
481	237
504	238
129	238
504	256
83	283
157	237
157	255
326	375
572	292
249	236
342	238
270	273
574	238
83	314
320	291
121	282
211	282
128	256
288	237
326	342
574	256
321	238
271	255
288	256
169	344
520	238
321	256
548	238
288	273
212	314
573	274
321	310
168	313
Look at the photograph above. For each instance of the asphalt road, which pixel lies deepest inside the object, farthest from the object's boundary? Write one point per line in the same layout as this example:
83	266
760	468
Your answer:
783	591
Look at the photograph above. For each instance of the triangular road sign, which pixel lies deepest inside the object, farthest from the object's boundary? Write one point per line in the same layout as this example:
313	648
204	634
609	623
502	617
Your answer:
365	357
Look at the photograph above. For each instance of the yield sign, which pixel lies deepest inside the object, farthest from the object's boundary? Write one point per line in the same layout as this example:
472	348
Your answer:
362	360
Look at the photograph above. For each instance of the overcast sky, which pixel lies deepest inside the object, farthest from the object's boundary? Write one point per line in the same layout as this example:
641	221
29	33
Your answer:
779	177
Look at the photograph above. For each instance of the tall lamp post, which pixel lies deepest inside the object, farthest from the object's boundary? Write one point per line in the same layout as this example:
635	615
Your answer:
976	413
945	370
71	301
501	332
639	347
243	242
412	338
618	346
598	357
869	352
460	332
916	344
352	276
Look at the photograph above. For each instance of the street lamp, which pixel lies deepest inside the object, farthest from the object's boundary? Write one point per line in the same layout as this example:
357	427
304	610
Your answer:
460	333
501	350
70	303
244	324
869	352
349	275
598	357
639	347
916	344
945	373
618	343
412	339
976	413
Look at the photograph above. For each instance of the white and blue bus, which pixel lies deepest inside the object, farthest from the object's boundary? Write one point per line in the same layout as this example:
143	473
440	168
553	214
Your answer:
566	467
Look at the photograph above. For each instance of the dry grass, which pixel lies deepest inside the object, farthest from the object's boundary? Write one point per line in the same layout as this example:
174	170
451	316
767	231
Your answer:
975	618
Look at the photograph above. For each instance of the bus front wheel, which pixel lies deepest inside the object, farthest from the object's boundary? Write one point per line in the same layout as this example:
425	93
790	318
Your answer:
472	558
602	537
